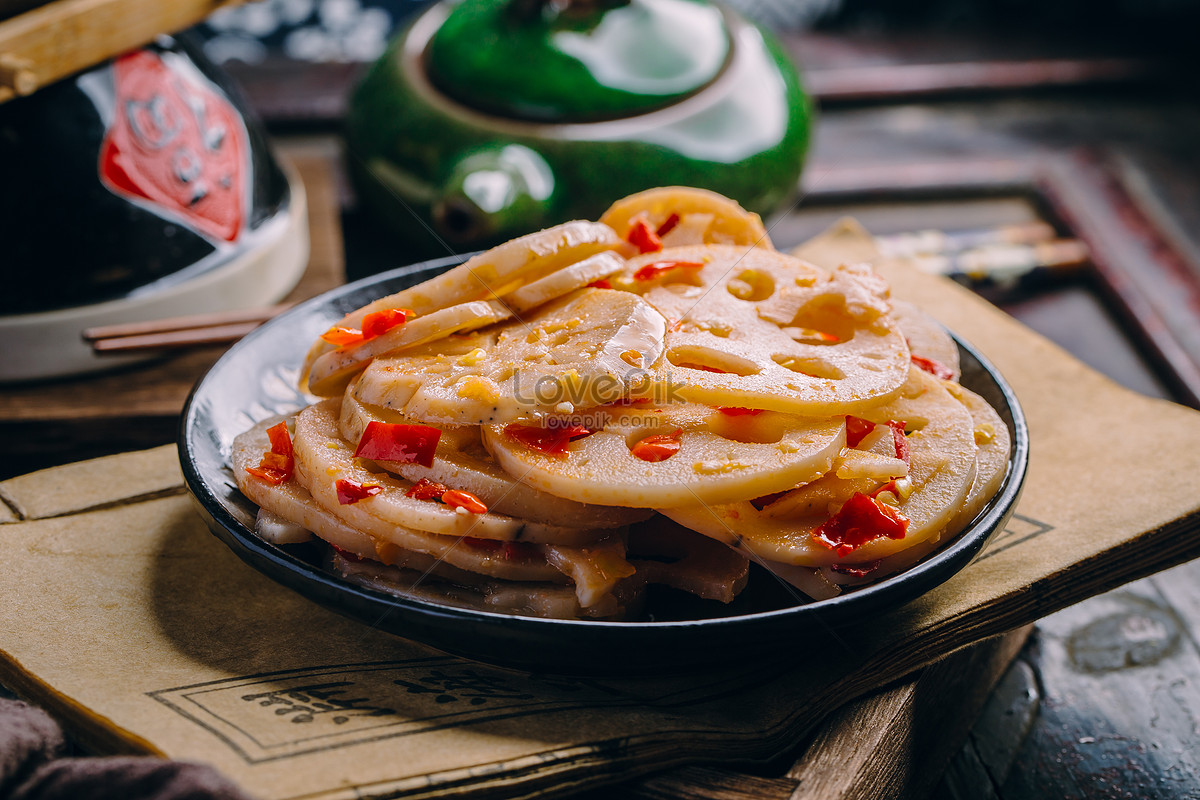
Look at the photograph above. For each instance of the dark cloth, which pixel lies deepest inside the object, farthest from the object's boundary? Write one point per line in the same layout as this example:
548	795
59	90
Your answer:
33	767
28	739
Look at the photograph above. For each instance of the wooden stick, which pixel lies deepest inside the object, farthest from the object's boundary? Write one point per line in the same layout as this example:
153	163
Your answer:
206	320
197	337
190	331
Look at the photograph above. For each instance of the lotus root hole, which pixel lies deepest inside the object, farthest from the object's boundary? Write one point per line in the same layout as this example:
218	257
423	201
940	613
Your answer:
826	316
749	429
751	285
711	361
812	367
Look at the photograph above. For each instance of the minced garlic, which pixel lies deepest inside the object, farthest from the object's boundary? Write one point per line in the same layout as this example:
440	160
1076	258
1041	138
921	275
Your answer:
473	358
474	387
985	433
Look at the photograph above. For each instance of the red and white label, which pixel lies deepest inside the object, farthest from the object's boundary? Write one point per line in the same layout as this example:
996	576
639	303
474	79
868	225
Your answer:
177	144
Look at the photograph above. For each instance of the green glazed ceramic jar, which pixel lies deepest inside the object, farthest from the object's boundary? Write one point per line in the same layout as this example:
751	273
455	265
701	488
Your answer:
488	119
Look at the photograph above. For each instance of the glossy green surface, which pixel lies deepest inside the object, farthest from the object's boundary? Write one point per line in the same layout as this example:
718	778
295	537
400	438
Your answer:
448	178
591	61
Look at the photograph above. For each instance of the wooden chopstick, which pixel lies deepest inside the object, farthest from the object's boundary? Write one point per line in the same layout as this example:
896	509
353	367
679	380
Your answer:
195	330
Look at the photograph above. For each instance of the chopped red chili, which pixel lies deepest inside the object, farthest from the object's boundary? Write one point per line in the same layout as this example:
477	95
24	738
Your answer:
552	440
342	336
374	325
657	448
350	491
644	237
603	283
934	368
380	322
426	489
668	225
459	499
277	464
859	521
275	461
408	444
281	440
857	429
269	474
656	269
900	441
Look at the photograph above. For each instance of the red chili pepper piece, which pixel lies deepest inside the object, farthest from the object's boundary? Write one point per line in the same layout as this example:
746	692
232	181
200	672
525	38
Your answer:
350	492
900	441
374	325
738	411
408	444
275	461
269	474
935	368
658	268
657	448
859	521
279	462
281	440
426	489
340	336
603	283
459	499
552	441
380	322
643	237
668	225
857	429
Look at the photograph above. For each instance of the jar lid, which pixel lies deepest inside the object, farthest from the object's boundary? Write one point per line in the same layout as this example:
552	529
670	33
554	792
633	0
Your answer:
577	60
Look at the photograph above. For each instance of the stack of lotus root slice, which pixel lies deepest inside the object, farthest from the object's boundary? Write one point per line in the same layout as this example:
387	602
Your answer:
656	398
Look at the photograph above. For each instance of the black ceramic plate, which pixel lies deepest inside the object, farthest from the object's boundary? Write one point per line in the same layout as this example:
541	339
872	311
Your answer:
257	378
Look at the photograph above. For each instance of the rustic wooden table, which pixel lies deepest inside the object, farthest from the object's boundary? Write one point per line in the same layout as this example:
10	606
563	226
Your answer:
1102	700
